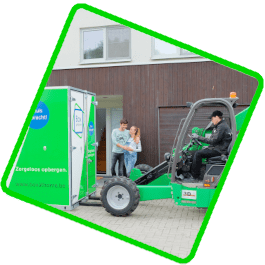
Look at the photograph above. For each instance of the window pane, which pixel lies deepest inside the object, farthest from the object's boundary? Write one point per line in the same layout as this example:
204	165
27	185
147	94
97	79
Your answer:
185	52
118	43
93	44
164	48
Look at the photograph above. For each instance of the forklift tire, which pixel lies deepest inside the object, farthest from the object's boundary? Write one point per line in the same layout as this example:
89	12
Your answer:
144	168
119	196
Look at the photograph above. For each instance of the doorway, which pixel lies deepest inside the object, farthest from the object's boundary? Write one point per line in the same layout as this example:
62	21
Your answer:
101	139
109	112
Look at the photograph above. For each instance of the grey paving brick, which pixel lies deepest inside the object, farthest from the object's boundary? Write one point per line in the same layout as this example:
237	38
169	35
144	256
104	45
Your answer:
160	224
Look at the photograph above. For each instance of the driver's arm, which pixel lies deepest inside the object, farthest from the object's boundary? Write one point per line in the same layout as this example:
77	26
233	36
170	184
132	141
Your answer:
215	137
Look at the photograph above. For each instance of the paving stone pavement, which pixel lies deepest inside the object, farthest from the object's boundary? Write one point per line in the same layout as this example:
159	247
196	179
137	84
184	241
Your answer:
159	223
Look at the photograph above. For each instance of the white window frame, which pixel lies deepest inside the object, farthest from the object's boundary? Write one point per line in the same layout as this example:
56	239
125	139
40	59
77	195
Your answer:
105	46
177	55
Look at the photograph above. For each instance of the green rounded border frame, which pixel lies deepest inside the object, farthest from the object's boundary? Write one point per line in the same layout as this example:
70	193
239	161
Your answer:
169	40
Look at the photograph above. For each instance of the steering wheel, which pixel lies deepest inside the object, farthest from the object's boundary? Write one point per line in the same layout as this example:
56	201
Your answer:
195	140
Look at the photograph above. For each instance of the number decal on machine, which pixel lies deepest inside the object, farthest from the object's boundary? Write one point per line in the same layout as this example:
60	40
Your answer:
189	194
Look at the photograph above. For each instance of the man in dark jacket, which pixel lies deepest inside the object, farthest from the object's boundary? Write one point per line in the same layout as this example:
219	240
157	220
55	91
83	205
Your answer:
218	142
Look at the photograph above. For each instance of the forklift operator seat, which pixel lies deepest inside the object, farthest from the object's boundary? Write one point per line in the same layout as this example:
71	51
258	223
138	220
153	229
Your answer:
220	160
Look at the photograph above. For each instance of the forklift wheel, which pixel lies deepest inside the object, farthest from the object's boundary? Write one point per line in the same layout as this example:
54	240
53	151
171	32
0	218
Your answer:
120	196
144	168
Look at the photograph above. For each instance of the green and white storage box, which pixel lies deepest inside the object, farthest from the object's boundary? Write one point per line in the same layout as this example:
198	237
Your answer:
56	163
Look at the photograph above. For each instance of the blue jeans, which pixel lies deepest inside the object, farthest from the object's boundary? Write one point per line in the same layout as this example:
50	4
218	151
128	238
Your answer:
130	160
117	157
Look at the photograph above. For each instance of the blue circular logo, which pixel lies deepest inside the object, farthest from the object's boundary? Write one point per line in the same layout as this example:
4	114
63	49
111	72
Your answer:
91	128
40	117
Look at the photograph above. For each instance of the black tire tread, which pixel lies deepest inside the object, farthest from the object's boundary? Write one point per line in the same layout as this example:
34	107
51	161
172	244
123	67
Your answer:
144	168
128	182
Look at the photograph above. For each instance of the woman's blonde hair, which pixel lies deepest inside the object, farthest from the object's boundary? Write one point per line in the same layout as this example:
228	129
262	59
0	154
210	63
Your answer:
137	132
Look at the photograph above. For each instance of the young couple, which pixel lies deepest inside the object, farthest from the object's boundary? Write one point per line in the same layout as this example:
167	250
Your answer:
126	145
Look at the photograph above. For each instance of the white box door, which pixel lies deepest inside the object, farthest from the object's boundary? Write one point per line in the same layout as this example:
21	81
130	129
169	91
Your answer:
78	136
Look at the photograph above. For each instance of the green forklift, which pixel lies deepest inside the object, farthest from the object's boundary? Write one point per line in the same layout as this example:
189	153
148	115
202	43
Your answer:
120	196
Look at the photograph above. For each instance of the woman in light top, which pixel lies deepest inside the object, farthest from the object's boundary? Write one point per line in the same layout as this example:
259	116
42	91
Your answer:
131	148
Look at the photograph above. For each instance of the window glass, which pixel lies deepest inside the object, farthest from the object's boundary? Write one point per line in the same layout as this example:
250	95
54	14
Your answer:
164	48
118	43
185	52
93	44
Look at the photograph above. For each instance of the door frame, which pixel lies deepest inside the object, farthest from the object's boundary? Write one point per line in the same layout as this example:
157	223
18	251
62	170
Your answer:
108	142
109	102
